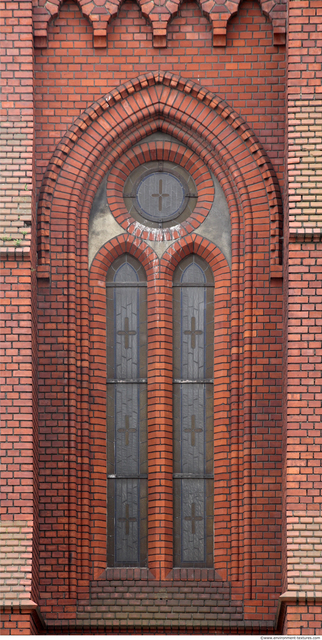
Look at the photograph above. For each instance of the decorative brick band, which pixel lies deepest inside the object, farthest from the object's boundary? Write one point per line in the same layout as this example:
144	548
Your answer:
303	234
16	254
159	15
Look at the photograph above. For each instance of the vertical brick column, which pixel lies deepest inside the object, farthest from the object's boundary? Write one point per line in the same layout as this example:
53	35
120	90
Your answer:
19	456
303	497
160	423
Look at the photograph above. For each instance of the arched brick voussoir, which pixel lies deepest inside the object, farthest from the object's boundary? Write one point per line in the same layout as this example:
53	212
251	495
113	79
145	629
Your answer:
164	96
200	246
119	245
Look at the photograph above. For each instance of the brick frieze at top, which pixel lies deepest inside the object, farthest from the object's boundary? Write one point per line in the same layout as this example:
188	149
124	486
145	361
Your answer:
159	14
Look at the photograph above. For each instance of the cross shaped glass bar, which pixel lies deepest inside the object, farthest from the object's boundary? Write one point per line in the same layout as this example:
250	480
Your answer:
126	333
193	518
160	195
127	519
193	430
193	332
127	430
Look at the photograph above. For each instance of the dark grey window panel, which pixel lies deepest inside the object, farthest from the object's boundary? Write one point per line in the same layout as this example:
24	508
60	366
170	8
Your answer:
193	428
127	527
193	522
126	414
193	413
127	522
193	333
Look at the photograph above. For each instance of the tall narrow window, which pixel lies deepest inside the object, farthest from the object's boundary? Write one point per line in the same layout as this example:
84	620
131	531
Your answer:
193	413
126	414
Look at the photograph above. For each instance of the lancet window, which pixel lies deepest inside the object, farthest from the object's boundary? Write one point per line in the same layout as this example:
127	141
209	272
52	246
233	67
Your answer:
126	413
193	309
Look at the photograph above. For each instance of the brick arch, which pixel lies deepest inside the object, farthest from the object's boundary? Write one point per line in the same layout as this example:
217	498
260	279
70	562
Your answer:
116	247
159	278
100	14
200	246
231	448
221	132
98	138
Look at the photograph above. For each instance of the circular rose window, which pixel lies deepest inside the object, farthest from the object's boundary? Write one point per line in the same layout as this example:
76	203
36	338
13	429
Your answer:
159	193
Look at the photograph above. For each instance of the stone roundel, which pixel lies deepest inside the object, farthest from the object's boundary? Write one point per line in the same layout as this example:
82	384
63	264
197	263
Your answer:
160	190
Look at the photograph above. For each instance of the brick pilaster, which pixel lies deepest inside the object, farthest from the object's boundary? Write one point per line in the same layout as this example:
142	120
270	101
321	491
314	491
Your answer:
19	460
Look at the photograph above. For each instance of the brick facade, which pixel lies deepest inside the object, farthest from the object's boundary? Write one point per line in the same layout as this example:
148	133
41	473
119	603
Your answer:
232	93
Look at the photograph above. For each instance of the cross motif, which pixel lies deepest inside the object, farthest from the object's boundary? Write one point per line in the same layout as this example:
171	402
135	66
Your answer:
127	519
160	195
193	518
193	430
193	332
126	430
126	333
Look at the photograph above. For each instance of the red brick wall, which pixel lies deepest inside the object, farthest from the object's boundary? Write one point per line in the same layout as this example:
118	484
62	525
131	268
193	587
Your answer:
70	74
64	397
303	498
19	500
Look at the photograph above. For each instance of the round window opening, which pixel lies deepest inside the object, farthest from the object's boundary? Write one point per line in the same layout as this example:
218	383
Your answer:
160	193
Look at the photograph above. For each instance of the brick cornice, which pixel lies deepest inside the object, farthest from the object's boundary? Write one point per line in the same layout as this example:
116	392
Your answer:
158	15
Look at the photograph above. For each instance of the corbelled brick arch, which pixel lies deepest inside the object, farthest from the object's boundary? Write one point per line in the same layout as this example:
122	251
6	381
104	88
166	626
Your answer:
195	116
96	142
101	12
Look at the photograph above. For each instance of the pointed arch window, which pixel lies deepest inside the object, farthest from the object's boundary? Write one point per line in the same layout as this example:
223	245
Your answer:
126	413
193	352
193	349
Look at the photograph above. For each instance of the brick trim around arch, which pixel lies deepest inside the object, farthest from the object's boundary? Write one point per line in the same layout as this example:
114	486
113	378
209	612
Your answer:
165	97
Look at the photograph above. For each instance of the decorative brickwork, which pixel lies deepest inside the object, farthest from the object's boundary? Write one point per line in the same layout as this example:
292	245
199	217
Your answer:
140	108
159	107
254	88
101	12
92	89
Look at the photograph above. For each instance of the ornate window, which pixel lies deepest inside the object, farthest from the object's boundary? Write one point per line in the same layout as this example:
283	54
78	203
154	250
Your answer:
126	413
160	194
193	311
193	304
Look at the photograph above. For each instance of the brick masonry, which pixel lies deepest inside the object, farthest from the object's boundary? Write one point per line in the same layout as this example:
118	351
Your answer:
303	411
217	78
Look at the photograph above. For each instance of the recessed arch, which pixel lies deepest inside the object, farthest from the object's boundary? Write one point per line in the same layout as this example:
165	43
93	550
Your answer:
110	125
215	133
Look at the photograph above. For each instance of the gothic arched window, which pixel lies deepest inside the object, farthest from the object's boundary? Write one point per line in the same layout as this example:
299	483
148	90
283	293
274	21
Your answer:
193	349
126	413
193	352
